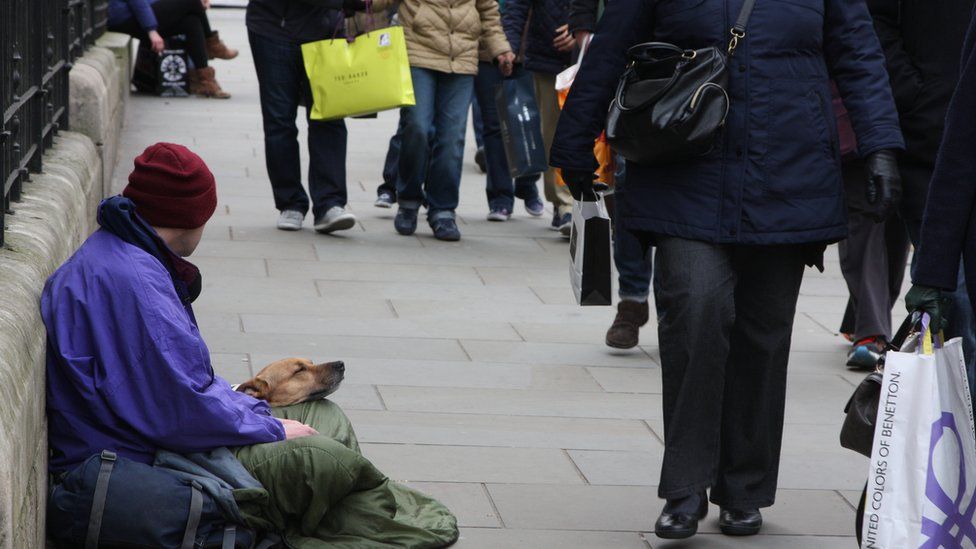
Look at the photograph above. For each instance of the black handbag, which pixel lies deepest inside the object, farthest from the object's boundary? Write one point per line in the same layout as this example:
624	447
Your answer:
861	411
671	102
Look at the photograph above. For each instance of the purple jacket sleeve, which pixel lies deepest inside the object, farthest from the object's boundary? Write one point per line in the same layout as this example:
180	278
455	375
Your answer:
161	382
143	13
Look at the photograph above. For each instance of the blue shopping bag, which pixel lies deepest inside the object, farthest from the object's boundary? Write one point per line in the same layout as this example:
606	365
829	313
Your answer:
518	116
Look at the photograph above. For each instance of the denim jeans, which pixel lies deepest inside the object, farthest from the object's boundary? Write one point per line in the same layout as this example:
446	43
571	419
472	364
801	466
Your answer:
499	187
442	106
959	314
725	328
391	166
477	122
283	87
634	265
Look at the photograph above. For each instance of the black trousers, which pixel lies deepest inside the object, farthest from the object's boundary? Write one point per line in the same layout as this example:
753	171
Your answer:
174	17
725	322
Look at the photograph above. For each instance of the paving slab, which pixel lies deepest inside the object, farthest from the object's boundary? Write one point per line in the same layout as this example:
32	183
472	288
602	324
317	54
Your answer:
468	501
491	538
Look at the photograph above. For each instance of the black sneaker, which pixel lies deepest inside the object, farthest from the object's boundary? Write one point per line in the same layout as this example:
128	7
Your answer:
479	159
554	226
384	200
405	221
445	229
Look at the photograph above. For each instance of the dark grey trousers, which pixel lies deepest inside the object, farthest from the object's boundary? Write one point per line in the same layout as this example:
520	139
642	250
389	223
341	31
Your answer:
873	260
726	318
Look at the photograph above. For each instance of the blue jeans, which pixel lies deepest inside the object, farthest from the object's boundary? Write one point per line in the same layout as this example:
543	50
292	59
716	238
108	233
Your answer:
391	166
960	312
283	87
634	266
499	186
442	107
477	122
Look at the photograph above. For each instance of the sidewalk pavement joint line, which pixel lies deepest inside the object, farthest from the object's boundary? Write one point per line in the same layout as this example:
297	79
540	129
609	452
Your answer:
362	185
849	382
230	232
539	243
518	333
315	252
647	542
421	240
818	323
477	273
579	471
537	296
379	395
389	303
463	350
600	385
250	363
240	322
849	504
491	501
267	267
653	432
226	209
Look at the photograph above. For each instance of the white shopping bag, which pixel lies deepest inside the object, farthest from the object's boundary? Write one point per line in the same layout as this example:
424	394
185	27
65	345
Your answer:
589	251
922	476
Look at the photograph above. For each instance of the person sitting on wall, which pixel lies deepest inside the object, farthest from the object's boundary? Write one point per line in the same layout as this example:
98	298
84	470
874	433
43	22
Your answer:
154	20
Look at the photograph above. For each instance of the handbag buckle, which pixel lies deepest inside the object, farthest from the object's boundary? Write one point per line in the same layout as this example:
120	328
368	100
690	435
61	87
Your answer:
737	34
688	55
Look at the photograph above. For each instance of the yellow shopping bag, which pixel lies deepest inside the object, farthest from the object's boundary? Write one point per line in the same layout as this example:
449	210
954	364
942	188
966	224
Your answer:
369	75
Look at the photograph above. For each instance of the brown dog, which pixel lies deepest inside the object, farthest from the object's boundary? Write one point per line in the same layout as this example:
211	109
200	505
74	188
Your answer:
293	380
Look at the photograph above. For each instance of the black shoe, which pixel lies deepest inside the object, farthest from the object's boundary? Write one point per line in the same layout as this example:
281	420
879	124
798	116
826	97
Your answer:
479	159
445	228
736	522
680	524
405	221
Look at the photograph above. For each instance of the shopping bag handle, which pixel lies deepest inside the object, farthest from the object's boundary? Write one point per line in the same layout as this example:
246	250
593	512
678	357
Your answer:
930	341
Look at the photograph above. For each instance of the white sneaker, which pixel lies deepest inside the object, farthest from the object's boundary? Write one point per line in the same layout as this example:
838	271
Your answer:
290	220
336	219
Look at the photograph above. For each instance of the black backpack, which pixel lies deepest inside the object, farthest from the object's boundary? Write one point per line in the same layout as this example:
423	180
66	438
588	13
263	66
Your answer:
111	501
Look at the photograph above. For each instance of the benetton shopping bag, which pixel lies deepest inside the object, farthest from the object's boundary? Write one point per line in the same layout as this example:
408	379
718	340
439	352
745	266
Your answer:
518	116
365	76
922	476
589	250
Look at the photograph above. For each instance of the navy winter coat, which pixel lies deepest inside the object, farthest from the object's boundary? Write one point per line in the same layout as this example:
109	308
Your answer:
775	176
546	16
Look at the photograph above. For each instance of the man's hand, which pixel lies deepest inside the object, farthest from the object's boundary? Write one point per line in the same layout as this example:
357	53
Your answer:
156	41
884	184
506	62
580	183
928	300
206	4
296	429
564	41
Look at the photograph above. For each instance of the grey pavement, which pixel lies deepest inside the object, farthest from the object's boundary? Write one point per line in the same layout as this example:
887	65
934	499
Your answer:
471	372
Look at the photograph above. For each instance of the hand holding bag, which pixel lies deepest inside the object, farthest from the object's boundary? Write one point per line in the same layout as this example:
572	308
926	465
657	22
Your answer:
671	101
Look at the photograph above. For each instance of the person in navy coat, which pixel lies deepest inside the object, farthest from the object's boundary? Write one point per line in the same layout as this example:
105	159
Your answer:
734	228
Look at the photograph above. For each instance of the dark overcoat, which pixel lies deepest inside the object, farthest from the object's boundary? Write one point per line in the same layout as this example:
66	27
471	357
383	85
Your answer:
774	175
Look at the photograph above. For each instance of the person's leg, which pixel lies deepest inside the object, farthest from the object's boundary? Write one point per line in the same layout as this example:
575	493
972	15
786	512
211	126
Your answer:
477	117
898	247
186	17
754	400
391	166
327	141
416	123
694	284
447	153
548	102
499	186
280	88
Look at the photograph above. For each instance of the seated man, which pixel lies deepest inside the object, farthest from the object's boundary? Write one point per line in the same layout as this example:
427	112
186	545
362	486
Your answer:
128	371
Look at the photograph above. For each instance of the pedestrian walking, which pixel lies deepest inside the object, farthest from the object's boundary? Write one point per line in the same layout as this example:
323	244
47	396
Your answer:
734	227
548	51
276	29
155	20
443	44
947	231
923	42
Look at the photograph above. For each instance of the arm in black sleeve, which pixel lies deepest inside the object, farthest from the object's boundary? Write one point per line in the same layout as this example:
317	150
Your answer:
514	17
623	25
906	81
583	15
952	192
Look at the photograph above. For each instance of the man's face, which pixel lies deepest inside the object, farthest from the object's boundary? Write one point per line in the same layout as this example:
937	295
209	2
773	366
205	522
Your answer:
189	241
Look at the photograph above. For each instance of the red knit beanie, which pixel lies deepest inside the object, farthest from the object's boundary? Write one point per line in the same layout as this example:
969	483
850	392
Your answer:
172	187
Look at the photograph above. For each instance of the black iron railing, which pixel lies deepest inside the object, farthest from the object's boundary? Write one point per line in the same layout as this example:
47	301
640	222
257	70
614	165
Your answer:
39	39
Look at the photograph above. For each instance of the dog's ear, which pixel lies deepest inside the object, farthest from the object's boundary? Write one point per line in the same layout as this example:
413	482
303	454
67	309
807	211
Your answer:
257	388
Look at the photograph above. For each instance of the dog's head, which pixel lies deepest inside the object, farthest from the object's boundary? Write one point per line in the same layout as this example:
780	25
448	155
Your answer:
293	380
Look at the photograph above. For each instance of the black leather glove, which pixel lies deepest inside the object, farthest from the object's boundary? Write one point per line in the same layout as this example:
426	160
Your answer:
580	183
884	184
350	7
928	300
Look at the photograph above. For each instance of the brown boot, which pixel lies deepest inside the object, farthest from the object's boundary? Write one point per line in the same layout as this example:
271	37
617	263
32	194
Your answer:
203	82
623	333
216	49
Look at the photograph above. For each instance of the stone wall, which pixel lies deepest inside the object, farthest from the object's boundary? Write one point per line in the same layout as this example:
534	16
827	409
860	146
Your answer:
54	216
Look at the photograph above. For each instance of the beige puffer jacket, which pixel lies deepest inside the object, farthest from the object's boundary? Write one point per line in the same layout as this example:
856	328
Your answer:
446	35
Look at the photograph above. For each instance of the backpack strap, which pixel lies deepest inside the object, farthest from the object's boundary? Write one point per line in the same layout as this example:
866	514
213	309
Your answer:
98	499
193	521
230	537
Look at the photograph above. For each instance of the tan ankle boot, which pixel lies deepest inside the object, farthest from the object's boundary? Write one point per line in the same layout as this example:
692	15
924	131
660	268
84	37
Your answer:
203	82
216	49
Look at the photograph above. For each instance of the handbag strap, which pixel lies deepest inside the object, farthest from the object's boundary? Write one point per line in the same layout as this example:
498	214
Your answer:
739	30
193	520
98	499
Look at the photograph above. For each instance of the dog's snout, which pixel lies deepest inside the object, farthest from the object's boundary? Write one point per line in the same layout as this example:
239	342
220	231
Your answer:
339	366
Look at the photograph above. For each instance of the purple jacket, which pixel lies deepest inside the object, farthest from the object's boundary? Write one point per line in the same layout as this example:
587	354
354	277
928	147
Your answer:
120	11
127	369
